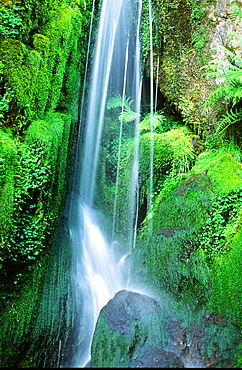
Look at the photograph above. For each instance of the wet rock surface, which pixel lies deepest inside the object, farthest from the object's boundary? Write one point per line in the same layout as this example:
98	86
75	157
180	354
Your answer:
205	344
127	307
134	331
156	358
130	332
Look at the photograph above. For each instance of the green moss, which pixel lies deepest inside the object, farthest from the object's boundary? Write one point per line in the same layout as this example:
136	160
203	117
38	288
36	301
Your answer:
51	137
174	262
8	161
26	74
219	170
217	165
173	154
41	71
226	292
62	30
184	46
108	349
36	76
118	346
33	188
192	227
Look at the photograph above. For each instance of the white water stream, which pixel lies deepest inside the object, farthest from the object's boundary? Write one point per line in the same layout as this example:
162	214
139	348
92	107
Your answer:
97	266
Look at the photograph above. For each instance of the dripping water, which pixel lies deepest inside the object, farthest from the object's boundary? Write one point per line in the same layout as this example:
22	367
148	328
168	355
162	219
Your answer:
150	202
120	139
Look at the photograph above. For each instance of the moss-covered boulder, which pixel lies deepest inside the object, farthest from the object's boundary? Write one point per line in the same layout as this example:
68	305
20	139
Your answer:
130	332
160	154
193	251
194	227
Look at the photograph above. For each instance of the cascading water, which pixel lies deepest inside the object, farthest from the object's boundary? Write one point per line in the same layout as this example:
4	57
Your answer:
96	266
150	203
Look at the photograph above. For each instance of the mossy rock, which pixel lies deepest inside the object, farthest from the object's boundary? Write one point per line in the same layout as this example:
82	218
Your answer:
223	169
173	152
190	227
36	75
52	136
128	326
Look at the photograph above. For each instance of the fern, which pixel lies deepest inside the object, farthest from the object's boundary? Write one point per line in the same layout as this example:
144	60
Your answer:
117	102
127	114
156	119
235	11
229	118
159	121
230	90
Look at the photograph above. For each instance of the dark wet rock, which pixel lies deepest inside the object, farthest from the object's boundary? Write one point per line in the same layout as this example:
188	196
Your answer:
134	331
205	343
130	332
156	357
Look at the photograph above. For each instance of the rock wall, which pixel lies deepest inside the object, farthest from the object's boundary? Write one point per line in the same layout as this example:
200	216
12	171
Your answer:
189	35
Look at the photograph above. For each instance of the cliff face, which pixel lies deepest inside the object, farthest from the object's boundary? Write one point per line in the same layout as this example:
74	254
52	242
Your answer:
192	33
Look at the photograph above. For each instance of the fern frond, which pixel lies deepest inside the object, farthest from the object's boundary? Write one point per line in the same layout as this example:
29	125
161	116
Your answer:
216	68
237	97
235	11
128	115
214	97
114	102
236	59
117	101
229	118
156	120
234	35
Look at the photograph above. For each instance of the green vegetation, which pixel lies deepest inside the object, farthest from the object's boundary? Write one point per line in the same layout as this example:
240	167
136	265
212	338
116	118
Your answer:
229	91
194	250
33	178
127	114
42	59
10	21
195	225
159	122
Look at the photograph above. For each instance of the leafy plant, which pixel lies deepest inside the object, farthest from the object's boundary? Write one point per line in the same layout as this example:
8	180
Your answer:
230	89
221	224
7	96
159	121
235	11
127	114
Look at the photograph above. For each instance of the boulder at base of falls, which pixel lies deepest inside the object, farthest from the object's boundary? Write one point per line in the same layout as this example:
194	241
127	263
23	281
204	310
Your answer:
130	332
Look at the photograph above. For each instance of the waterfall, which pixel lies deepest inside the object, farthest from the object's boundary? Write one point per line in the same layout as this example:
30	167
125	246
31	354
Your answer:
120	139
151	195
96	261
